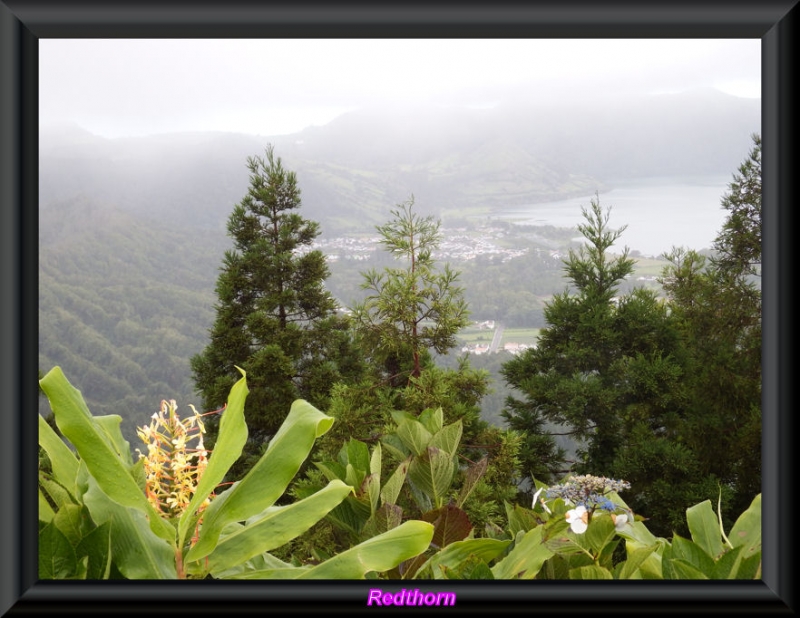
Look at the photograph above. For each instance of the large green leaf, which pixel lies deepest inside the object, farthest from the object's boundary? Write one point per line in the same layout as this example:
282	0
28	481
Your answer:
46	512
99	454
432	473
591	571
414	436
275	527
634	561
137	551
526	558
692	554
431	418
109	427
377	554
55	491
57	558
391	490
683	570
63	462
73	521
231	439
600	532
746	532
385	518
454	554
268	479
97	547
704	528
447	438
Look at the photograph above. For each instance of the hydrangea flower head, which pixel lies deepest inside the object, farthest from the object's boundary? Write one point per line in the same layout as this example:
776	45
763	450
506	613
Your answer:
587	493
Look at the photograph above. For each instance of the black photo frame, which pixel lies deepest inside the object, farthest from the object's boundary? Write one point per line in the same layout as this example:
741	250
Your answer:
24	22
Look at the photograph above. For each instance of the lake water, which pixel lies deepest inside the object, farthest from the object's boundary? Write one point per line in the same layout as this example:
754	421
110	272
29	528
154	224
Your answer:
660	212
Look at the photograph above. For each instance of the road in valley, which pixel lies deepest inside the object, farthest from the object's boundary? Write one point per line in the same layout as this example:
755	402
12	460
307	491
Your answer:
498	336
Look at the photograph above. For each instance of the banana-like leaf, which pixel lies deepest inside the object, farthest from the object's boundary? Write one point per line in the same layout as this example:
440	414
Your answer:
268	479
704	528
46	512
591	571
96	450
454	554
275	527
525	560
109	427
377	554
634	561
231	439
137	551
62	460
747	529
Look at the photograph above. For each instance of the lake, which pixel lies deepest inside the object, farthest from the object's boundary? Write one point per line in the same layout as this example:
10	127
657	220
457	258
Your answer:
660	212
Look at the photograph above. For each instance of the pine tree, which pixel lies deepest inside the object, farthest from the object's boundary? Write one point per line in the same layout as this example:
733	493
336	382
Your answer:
592	362
275	318
411	309
717	303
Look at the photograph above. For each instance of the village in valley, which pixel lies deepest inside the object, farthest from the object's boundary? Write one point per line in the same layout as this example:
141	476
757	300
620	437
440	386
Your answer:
485	239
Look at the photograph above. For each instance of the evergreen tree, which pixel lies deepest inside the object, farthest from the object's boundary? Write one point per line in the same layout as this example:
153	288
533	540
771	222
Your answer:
411	311
415	308
717	303
275	318
600	363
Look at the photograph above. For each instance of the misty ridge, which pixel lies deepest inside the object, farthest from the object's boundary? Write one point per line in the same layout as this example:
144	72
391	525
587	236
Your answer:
354	169
132	231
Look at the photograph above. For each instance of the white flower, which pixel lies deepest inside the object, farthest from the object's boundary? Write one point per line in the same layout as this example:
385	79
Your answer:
619	521
578	519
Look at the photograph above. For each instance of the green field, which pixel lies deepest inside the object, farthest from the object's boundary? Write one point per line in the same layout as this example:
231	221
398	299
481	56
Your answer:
648	267
528	336
472	335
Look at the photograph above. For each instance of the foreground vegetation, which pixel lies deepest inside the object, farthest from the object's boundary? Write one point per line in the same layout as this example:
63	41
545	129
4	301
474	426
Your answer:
660	390
104	516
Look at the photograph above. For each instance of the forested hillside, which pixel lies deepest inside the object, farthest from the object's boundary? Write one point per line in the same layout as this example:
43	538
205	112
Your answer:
132	231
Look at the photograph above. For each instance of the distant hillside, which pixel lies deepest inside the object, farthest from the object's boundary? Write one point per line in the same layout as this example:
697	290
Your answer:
353	170
132	231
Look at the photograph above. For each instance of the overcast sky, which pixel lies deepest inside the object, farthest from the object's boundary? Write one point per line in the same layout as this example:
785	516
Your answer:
271	87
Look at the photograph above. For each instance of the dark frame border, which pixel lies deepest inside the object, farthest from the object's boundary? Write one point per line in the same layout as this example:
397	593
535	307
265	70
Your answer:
23	22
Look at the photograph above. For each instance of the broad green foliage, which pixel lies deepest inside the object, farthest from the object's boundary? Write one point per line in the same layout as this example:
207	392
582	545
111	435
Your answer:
96	521
554	541
426	450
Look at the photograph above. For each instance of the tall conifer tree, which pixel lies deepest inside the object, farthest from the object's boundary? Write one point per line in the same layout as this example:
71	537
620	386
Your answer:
275	318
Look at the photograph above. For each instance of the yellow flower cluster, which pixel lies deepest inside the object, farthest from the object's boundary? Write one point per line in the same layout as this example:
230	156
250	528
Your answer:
173	466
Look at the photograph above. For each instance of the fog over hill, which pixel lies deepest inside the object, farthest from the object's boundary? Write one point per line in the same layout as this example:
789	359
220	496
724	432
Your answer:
132	230
354	169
